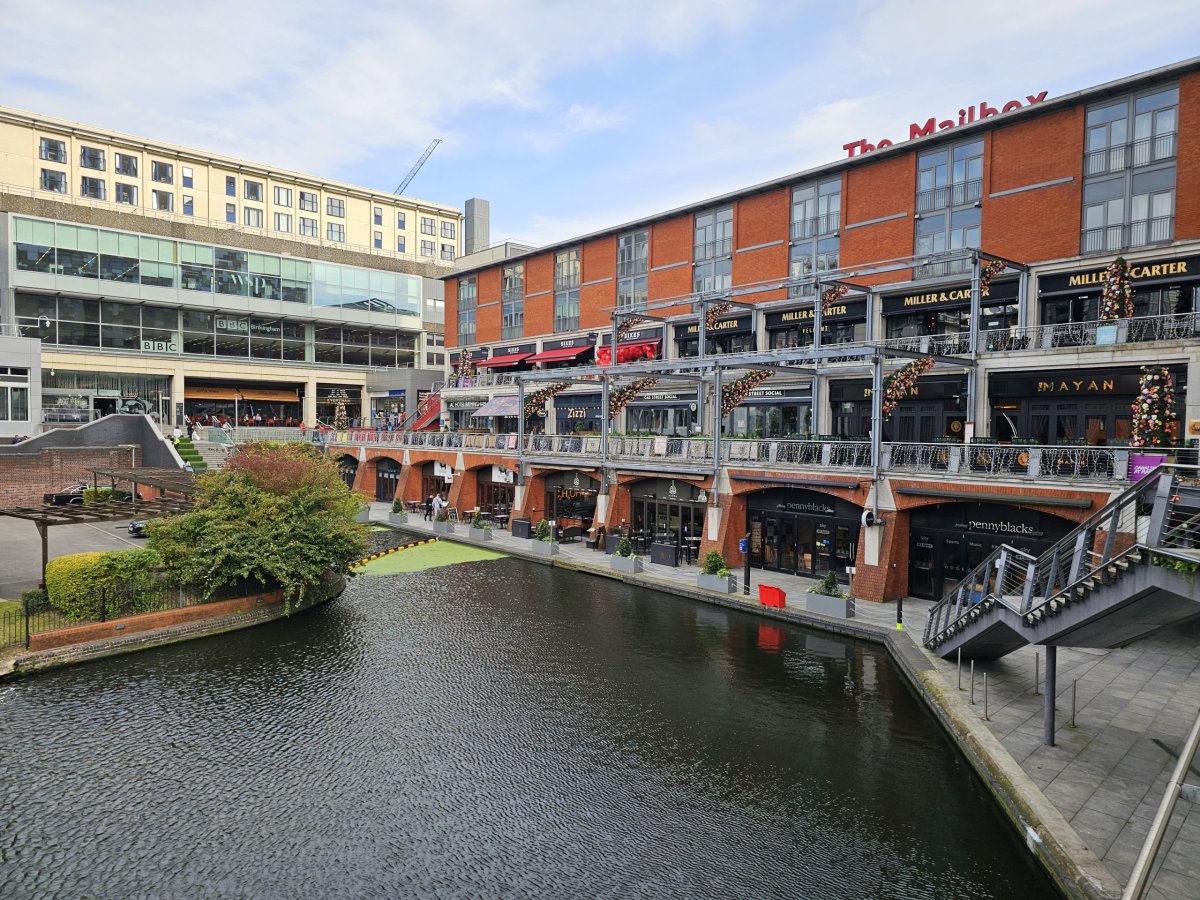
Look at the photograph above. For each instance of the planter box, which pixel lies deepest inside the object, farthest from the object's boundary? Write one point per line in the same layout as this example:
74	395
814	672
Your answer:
479	534
630	565
398	518
363	515
521	528
443	527
542	548
838	607
664	555
722	584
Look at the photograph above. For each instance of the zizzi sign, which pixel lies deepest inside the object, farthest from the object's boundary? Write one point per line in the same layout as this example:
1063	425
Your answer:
932	124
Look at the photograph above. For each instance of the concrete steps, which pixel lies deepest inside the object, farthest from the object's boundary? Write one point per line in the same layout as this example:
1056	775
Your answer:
213	453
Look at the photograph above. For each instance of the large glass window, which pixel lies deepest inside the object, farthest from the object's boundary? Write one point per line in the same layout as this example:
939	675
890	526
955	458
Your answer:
91	158
125	164
335	231
512	301
92	187
816	209
467	300
14	394
253	217
335	206
948	178
53	180
125	193
162	172
566	290
283	196
283	222
163	200
633	264
428	226
52	150
308	227
308	201
253	190
714	233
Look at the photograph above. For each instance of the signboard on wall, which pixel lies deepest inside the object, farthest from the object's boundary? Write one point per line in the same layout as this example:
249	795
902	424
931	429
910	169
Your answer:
1142	464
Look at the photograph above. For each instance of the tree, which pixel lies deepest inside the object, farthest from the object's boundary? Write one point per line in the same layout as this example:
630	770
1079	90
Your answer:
278	514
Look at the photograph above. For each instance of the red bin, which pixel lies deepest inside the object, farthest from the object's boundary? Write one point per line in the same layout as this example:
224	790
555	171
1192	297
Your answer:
769	595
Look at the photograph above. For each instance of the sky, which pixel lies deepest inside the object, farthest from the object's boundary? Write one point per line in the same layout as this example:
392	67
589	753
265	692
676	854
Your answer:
568	116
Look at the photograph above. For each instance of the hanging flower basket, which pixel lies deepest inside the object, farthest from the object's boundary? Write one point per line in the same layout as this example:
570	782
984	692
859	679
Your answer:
1116	297
535	403
902	382
735	392
987	272
831	296
627	325
1155	422
713	314
619	397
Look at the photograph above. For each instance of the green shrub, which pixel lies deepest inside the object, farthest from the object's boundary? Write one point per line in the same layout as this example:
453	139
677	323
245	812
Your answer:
75	583
828	586
34	599
478	521
624	546
397	505
723	572
542	532
442	516
97	495
714	562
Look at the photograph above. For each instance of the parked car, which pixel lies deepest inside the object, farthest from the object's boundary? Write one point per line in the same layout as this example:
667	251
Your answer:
137	528
73	494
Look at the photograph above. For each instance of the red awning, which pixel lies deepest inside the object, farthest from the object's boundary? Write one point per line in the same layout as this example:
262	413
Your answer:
560	354
628	352
499	362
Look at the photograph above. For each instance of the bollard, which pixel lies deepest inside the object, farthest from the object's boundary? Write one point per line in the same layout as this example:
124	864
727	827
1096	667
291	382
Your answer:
960	668
985	697
900	614
972	682
1035	674
1074	684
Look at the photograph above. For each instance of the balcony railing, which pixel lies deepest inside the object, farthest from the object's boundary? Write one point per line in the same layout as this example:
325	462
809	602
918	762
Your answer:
713	249
1144	329
1114	238
483	379
931	344
1144	152
806	228
959	193
936	268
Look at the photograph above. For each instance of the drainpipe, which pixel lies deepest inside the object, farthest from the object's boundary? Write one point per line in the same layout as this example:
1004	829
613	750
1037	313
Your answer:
876	429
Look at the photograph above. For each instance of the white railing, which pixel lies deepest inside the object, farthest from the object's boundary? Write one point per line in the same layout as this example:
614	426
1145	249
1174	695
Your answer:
1140	330
482	379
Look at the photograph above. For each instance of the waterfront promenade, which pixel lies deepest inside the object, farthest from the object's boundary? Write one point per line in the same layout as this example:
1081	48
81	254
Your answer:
1107	772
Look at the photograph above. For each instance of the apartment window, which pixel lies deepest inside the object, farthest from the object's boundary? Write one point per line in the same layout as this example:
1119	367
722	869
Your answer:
377	238
1129	172
566	290
401	244
252	217
308	227
125	164
379	215
335	231
308	201
92	187
429	248
434	355
283	222
53	180
253	190
335	206
162	172
713	248
816	209
808	260
467	303
633	264
125	193
401	221
91	158
231	213
189	205
163	200
427	226
950	176
52	150
283	196
512	301
188	179
230	186
448	252
448	230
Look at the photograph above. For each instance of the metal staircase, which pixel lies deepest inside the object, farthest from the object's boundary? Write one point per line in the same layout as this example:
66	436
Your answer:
1128	571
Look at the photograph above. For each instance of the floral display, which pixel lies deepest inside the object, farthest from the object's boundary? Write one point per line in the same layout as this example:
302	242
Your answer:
627	325
619	397
902	382
735	392
339	398
535	403
1116	297
1155	421
713	314
987	272
831	295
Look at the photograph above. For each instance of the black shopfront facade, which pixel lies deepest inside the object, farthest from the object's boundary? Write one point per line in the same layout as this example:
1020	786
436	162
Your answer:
772	412
844	323
947	311
1072	406
802	532
666	413
730	335
936	410
577	413
947	541
570	498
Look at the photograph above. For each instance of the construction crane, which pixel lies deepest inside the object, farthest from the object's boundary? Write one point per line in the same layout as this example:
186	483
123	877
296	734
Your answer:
412	173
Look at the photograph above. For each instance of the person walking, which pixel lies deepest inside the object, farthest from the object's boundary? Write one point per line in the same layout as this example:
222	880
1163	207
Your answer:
429	508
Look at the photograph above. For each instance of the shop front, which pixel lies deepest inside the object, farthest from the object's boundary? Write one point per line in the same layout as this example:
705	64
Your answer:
494	491
636	344
509	358
772	412
844	323
948	540
734	334
802	532
577	414
563	353
77	397
921	312
388	407
460	412
670	512
934	411
332	397
1077	406
436	478
245	404
387	478
665	413
1165	287
571	499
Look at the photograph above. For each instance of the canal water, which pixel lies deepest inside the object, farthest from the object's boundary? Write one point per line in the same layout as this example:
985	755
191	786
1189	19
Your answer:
495	729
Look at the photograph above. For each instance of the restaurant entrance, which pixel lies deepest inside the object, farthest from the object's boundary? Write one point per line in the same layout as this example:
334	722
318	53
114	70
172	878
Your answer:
571	499
802	532
494	491
435	479
667	511
387	476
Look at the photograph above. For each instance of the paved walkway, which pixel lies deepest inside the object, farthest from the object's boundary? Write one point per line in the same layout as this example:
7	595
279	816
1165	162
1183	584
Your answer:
1108	771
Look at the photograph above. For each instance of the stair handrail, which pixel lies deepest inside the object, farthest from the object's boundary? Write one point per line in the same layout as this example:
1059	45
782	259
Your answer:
998	577
422	408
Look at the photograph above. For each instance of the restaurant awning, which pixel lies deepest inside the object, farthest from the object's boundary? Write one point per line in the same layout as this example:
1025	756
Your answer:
499	362
628	352
498	406
200	392
560	354
279	396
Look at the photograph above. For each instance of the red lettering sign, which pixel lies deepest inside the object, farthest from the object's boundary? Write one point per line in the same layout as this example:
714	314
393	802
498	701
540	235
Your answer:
932	124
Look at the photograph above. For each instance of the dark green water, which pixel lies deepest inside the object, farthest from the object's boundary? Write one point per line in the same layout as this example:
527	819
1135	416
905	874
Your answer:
496	729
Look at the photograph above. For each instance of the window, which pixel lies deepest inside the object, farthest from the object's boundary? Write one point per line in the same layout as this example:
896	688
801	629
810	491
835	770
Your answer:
948	178
512	301
379	215
308	227
188	180
252	217
163	200
283	222
428	248
566	290
809	259
53	150
125	164
335	231
377	239
53	180
231	213
401	244
91	187
283	197
253	190
125	193
189	205
401	221
448	252
633	264
427	226
448	230
230	186
467	302
816	209
335	206
91	158
714	233
162	172
308	201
